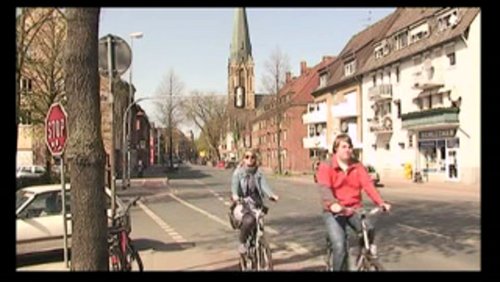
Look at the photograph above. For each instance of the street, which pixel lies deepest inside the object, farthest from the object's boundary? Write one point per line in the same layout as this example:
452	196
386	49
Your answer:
183	225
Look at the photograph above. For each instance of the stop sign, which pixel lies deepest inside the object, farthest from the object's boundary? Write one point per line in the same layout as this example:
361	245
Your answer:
56	129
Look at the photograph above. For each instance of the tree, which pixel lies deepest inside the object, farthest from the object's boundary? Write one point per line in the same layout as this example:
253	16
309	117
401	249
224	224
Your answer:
29	22
209	113
273	80
85	150
169	107
43	67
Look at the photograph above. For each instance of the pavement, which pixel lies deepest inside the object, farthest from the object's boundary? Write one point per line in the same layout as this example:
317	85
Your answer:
157	261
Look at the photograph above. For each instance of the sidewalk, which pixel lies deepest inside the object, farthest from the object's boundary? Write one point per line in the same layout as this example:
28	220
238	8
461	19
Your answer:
399	183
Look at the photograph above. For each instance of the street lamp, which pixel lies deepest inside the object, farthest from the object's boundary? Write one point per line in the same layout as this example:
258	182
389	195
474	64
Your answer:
126	152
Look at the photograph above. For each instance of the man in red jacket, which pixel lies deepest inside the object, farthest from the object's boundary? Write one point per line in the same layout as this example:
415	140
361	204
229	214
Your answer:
340	183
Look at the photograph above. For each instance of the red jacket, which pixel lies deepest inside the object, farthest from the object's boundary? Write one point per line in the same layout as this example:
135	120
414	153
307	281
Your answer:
346	186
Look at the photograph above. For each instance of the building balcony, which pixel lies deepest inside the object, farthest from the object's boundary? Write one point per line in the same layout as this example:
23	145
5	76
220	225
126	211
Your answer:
319	116
315	142
431	117
348	108
426	79
381	125
380	92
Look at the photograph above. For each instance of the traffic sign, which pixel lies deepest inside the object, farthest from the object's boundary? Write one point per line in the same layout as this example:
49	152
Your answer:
56	129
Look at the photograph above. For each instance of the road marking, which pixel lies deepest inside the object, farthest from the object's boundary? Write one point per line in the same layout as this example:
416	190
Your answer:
163	225
209	215
297	248
424	231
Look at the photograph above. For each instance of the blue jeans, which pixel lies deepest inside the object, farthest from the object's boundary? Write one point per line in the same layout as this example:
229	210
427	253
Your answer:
336	231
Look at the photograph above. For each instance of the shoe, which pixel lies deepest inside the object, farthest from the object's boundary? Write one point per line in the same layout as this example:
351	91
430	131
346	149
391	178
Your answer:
242	249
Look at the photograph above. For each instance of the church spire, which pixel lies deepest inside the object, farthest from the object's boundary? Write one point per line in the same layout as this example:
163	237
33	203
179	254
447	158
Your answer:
241	49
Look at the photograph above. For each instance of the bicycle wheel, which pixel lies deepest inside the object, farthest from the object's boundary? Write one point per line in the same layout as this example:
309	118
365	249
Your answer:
115	259
133	259
265	257
370	264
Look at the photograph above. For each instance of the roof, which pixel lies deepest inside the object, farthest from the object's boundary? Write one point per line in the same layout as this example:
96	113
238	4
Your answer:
44	188
241	48
300	88
360	47
466	15
262	99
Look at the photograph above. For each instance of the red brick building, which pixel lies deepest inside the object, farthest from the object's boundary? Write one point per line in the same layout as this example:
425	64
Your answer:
294	97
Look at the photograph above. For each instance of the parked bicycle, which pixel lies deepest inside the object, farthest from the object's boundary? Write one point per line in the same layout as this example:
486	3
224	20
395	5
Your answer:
367	258
122	254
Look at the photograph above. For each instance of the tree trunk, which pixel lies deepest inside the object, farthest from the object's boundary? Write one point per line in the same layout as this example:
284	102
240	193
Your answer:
85	150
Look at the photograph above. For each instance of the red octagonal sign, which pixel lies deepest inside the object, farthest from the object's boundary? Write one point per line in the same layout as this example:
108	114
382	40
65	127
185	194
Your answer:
56	129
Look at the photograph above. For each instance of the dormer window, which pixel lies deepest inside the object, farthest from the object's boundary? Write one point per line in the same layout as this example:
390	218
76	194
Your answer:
419	32
401	40
322	80
349	68
381	49
448	20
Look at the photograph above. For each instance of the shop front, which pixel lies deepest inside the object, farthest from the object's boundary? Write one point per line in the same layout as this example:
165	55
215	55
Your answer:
438	153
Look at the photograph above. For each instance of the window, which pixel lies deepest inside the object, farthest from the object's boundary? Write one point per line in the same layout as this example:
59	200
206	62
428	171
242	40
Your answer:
349	68
284	135
137	124
410	141
374	80
401	40
448	20
26	85
322	80
452	58
397	74
398	104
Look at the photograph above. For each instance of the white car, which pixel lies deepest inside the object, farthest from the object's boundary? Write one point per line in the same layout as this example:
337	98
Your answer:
39	221
30	171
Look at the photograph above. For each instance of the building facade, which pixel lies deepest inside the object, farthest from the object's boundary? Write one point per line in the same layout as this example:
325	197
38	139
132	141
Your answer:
421	93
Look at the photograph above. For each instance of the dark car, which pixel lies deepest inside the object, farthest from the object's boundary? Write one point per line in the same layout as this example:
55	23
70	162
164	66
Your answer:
373	174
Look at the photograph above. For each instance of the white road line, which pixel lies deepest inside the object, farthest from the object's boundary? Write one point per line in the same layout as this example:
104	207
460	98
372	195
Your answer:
163	225
424	231
297	248
211	216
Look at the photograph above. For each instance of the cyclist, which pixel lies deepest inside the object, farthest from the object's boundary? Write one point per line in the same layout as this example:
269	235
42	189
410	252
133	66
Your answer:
248	183
340	182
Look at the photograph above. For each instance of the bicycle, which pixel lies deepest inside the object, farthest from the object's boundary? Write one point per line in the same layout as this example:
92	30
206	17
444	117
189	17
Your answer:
367	259
122	254
258	255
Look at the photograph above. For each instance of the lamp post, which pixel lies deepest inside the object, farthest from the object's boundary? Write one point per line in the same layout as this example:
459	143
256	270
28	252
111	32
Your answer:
125	145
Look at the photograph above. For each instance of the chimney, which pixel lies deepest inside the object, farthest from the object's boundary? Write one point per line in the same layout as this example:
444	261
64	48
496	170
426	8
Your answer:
303	67
288	76
325	58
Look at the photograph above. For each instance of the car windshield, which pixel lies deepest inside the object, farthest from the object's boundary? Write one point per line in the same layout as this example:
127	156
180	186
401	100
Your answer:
370	169
22	197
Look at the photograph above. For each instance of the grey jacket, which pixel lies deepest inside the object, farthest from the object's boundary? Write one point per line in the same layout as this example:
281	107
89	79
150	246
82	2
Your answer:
239	183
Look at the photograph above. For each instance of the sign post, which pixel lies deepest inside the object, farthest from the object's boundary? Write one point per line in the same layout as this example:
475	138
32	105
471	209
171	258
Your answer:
56	134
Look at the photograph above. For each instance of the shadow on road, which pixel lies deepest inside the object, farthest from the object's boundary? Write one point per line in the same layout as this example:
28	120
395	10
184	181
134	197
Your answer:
40	258
143	244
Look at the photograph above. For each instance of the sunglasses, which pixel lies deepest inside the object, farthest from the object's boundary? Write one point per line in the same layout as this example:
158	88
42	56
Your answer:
250	157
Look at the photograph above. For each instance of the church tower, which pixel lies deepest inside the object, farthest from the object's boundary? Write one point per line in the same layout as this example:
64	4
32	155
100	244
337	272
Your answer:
241	78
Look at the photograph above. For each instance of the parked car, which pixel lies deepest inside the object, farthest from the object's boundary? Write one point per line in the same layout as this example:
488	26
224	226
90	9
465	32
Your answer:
39	221
373	174
31	175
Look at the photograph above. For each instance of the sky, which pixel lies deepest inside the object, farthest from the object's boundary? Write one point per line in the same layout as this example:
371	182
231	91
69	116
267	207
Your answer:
195	42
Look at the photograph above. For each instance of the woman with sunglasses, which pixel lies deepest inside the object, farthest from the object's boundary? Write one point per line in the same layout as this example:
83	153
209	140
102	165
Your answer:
249	186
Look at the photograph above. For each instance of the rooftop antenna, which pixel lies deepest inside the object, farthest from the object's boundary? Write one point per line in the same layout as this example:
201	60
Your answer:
368	19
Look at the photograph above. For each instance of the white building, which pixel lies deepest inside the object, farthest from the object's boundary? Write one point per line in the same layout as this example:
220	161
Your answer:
315	119
421	95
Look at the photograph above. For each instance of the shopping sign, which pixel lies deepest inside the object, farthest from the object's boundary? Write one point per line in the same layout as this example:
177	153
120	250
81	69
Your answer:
56	129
